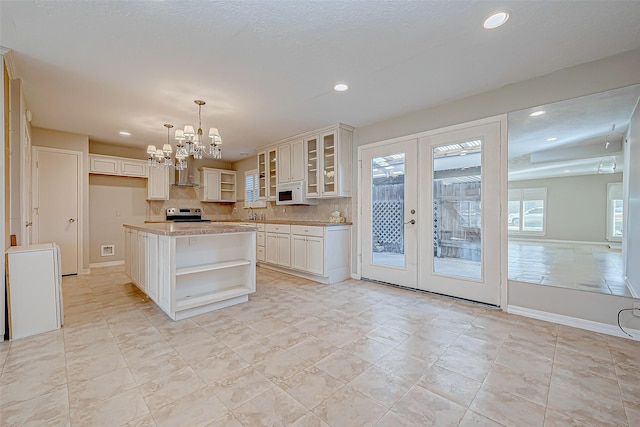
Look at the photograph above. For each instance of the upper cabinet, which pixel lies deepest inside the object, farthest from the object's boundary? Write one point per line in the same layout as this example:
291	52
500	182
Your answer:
328	162
217	185
109	165
158	184
321	158
291	161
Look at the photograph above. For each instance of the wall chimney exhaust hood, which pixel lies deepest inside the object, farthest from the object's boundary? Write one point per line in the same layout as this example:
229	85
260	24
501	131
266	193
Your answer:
185	177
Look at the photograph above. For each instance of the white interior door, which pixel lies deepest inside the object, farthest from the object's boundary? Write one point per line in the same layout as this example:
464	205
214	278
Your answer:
389	213
460	191
56	202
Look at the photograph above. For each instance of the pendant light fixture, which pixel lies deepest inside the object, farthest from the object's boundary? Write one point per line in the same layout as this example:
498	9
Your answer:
189	144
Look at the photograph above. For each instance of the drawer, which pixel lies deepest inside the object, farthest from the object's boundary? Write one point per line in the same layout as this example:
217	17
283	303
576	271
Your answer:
260	253
278	228
260	238
260	227
303	230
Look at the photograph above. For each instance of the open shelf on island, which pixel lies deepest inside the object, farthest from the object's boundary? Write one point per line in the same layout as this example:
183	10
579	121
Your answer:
185	302
210	267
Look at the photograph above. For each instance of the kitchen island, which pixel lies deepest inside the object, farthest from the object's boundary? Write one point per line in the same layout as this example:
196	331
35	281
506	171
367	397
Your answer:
192	268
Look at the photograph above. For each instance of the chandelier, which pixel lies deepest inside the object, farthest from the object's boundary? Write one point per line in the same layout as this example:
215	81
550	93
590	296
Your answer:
189	144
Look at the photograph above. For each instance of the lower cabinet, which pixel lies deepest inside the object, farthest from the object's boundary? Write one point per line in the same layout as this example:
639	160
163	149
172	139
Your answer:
278	244
307	254
319	253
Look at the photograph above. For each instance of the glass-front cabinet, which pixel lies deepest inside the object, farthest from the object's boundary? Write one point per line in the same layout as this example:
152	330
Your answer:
272	167
328	160
311	145
267	177
329	164
262	175
322	158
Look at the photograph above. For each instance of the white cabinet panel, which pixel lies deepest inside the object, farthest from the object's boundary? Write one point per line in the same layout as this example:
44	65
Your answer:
210	182
271	248
315	255
284	163
158	184
297	160
151	272
104	165
131	167
284	250
119	166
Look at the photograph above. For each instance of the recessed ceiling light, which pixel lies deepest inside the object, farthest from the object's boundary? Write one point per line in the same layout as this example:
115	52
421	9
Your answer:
340	87
496	20
125	133
553	138
537	113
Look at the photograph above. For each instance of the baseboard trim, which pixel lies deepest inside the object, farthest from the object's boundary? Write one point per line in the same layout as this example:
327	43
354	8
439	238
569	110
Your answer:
589	325
568	242
106	264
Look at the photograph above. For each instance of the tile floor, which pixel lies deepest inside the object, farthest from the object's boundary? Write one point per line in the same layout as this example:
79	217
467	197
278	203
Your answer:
593	268
304	354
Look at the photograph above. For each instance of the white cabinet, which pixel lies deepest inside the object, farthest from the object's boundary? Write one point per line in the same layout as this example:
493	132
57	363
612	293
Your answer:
319	253
291	161
328	162
278	244
263	176
141	281
151	268
189	275
217	185
307	248
261	241
132	167
34	290
267	174
158	184
284	163
109	165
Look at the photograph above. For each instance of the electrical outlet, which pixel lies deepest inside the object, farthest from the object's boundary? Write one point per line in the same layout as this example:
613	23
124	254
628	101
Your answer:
636	309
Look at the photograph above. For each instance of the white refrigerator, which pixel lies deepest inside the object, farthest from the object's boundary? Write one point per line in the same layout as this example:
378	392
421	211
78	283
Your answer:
35	290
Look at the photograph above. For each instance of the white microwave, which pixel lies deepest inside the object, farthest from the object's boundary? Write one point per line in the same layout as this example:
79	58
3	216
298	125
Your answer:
293	193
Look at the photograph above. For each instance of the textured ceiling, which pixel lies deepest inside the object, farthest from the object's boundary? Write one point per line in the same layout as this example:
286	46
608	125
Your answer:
266	68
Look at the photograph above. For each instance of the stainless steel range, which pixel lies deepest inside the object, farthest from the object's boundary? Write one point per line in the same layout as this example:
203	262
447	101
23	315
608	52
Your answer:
185	215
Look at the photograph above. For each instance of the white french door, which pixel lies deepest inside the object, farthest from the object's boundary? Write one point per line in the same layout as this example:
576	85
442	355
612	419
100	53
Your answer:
430	215
389	213
460	179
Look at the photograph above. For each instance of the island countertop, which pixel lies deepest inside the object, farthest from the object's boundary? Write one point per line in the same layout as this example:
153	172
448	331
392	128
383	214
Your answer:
190	228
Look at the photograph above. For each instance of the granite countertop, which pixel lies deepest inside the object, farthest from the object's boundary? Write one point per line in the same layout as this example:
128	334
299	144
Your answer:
260	221
190	228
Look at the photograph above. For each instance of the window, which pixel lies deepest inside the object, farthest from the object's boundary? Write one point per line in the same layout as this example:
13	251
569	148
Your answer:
614	212
527	211
251	195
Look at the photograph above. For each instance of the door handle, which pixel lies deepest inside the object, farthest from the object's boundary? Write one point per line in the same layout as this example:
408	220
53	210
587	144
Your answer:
413	221
71	220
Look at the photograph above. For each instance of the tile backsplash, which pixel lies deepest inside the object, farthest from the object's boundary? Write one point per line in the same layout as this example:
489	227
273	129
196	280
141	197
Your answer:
188	197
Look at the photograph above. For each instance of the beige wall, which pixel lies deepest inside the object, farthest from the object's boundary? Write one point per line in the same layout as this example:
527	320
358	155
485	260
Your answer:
576	206
113	201
71	141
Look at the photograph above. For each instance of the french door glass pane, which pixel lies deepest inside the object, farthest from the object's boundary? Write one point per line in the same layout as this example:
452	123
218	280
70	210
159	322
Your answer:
457	209
387	210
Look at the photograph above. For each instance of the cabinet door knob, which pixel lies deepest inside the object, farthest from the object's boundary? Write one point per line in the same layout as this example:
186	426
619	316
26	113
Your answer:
71	220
